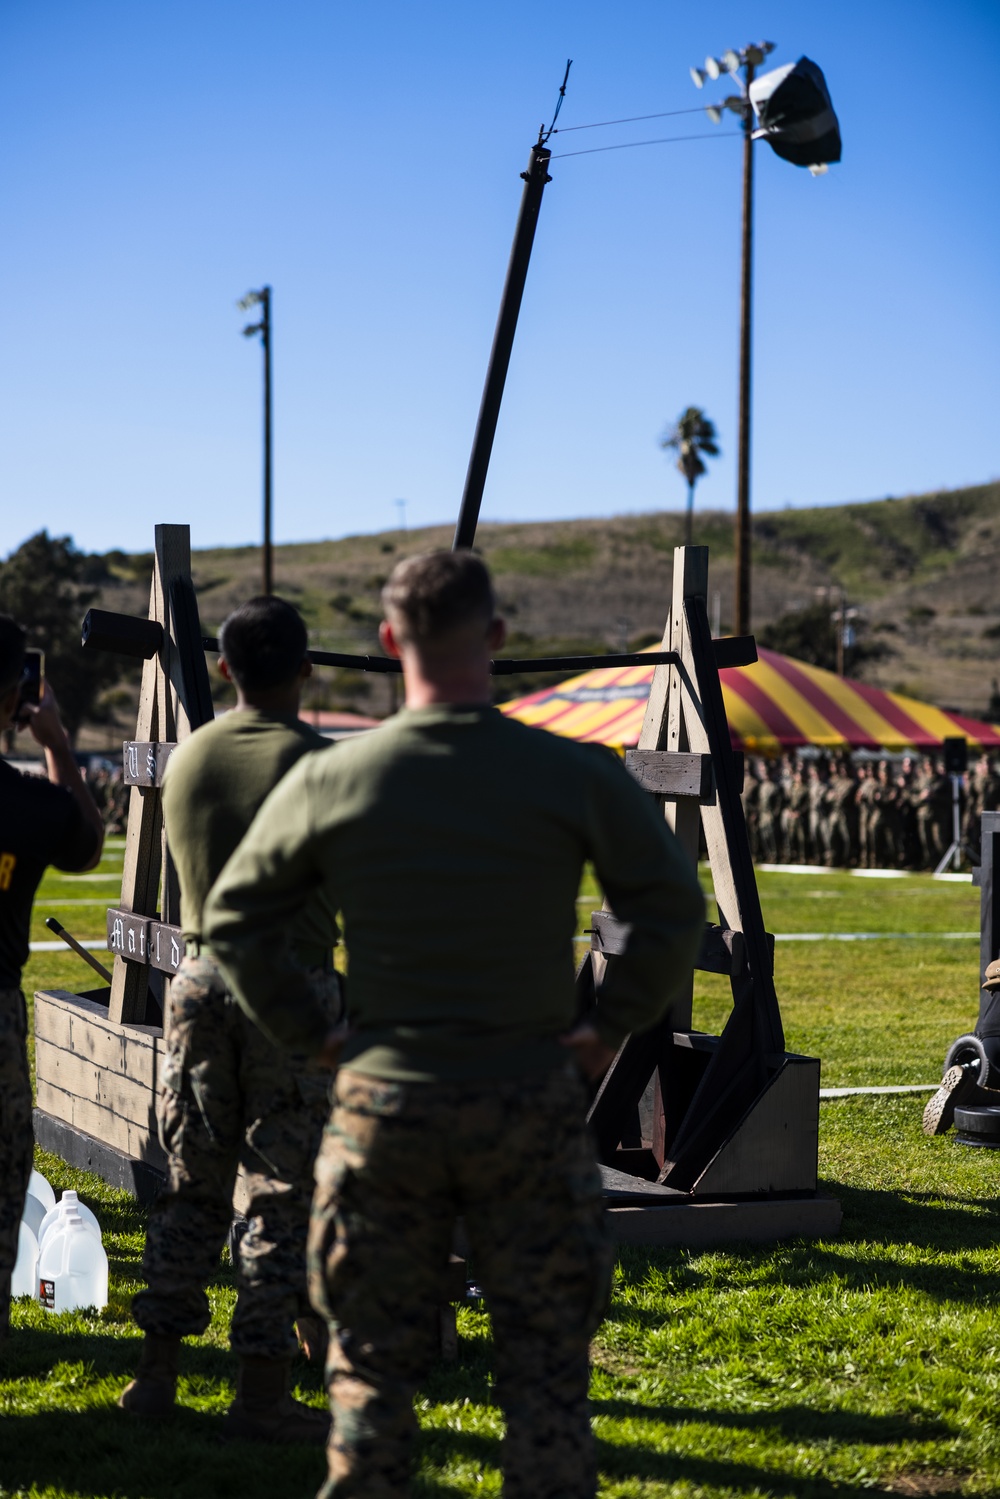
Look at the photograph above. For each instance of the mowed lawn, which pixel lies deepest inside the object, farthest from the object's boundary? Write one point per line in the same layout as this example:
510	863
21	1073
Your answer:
867	1363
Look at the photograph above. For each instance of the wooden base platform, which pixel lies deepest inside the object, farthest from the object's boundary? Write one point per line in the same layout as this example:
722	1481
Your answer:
141	1179
641	1212
96	1090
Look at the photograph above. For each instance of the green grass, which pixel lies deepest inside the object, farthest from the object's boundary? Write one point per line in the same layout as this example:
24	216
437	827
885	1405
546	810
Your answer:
866	1363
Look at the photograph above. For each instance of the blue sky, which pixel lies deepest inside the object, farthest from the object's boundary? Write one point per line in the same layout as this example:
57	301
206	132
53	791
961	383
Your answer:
160	159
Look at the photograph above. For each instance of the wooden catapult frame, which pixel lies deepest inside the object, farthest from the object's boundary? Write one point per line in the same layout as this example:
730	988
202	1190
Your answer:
97	1058
729	1148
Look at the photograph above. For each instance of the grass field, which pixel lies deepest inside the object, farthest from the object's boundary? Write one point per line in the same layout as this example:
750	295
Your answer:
867	1363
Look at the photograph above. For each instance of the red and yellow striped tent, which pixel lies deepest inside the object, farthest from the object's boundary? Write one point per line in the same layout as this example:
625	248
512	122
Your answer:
777	704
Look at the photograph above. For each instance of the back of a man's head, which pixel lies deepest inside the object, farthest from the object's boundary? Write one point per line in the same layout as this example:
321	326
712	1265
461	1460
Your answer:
264	643
436	596
12	643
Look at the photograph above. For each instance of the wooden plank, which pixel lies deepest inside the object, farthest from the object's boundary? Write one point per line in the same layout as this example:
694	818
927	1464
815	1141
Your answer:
65	1070
144	764
672	773
734	650
128	1093
141	864
52	1021
140	1174
721	951
702	1225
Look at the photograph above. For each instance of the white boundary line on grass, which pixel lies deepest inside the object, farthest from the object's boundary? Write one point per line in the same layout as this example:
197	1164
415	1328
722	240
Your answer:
868	1092
861	874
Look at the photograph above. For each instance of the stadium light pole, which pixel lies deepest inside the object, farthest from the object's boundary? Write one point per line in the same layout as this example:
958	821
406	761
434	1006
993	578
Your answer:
262	298
747	59
797	119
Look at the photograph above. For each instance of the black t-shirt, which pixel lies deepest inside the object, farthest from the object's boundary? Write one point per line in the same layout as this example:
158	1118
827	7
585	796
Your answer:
40	824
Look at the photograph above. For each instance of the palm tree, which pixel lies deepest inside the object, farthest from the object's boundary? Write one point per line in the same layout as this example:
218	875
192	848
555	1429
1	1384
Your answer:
692	437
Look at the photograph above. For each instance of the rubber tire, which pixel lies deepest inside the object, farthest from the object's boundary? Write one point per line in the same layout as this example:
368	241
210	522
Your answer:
977	1119
971	1049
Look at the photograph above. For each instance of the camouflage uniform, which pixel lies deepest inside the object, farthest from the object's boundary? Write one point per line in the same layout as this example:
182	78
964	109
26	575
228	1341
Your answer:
16	1140
228	1097
398	1163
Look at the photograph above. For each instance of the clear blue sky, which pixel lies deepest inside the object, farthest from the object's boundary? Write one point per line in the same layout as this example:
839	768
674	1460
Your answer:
158	159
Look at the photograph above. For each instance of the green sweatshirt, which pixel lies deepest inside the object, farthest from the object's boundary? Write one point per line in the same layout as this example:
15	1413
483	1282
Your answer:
452	840
214	784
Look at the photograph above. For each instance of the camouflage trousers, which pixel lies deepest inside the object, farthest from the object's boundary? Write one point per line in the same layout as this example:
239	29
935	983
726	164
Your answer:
230	1098
398	1164
16	1138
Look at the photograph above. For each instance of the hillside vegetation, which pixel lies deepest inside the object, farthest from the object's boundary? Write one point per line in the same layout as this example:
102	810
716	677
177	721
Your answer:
923	569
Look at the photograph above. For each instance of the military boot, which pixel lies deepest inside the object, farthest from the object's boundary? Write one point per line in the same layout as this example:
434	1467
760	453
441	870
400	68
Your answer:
153	1390
265	1411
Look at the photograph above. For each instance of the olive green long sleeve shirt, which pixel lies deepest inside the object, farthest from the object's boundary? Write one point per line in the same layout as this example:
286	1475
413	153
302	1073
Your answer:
452	840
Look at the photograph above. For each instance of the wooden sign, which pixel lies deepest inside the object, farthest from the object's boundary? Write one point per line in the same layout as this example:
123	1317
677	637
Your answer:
143	763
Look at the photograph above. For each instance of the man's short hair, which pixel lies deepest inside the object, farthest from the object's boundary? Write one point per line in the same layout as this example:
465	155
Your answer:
12	644
264	642
435	593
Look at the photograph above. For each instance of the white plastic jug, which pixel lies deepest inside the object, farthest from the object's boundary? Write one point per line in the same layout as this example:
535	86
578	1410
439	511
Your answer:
33	1214
72	1267
42	1189
67	1202
22	1280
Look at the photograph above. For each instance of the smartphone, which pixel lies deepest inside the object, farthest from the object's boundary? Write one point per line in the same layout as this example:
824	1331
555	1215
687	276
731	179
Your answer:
32	678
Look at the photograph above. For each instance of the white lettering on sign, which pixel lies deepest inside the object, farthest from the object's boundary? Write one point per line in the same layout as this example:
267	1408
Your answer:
151	763
131	939
133	760
118	935
175	951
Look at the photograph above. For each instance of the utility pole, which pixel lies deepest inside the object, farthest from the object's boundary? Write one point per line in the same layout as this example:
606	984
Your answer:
743	534
797	119
535	179
263	299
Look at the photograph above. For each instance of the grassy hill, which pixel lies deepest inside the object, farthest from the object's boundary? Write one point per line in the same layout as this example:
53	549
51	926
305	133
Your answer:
923	569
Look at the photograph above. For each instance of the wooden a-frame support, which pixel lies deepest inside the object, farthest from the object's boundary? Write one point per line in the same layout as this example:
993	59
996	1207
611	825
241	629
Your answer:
734	1118
97	1056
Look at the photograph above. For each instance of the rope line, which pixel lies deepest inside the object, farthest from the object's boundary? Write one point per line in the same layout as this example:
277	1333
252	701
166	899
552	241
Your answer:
543	134
666	140
632	119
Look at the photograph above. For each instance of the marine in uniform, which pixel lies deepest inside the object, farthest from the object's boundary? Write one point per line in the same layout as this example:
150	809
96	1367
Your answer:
452	840
228	1098
43	820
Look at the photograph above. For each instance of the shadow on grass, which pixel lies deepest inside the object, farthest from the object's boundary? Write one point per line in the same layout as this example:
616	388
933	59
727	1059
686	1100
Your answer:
794	1423
31	1353
710	1475
880	1221
102	1452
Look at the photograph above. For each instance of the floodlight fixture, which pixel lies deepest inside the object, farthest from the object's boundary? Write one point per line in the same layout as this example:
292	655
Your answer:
250	300
795	116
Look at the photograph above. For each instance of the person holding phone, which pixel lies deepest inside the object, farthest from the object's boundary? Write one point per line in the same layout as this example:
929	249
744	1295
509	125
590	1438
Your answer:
43	821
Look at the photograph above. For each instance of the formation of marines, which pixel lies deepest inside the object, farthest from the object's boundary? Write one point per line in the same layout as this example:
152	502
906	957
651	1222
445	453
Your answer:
876	814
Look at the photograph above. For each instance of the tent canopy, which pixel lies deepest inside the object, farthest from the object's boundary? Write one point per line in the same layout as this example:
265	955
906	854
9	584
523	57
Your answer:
775	705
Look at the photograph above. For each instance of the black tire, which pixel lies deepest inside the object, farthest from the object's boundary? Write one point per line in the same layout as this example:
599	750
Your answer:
978	1119
971	1051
